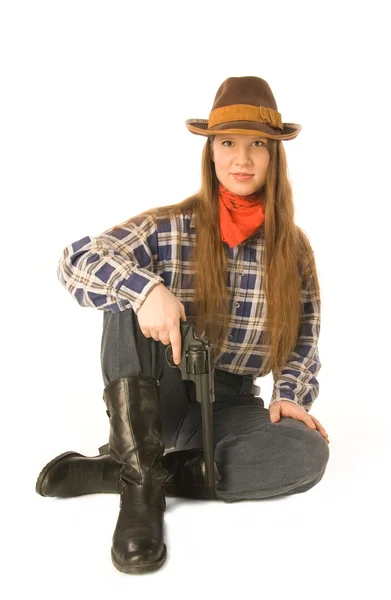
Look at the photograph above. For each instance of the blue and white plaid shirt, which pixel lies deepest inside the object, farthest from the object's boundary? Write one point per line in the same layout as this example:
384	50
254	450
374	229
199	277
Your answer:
117	270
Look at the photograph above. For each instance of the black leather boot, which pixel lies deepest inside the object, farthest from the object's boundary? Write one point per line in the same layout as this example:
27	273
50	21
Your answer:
73	474
187	476
136	443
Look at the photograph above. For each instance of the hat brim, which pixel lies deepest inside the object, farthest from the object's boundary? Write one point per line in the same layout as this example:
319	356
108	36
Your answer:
200	127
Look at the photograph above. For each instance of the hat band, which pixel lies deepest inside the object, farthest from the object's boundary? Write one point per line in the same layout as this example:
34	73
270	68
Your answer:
245	112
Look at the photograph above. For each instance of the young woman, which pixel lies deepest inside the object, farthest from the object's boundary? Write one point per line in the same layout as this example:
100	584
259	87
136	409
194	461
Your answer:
231	260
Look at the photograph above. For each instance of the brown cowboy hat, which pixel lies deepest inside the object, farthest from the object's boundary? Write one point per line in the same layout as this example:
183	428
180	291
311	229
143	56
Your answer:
244	105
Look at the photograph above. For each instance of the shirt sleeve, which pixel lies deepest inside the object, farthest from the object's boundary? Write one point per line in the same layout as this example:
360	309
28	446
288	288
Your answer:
115	270
297	382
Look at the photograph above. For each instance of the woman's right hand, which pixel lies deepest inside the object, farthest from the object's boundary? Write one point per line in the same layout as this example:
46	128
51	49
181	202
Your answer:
159	317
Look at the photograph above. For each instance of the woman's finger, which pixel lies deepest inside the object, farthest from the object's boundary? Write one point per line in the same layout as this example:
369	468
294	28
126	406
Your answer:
321	429
308	421
319	425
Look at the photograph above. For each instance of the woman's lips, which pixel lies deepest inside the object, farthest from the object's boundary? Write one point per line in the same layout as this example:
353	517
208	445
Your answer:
242	177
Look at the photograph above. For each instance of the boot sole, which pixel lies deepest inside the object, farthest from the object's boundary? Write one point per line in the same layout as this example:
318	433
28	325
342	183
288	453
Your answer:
139	569
46	469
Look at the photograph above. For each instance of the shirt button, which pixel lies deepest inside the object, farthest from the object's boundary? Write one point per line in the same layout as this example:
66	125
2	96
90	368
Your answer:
237	305
230	337
242	273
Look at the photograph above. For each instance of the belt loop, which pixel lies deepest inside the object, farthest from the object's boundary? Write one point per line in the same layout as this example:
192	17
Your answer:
247	385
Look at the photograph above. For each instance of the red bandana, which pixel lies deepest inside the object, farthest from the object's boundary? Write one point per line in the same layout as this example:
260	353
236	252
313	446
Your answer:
240	216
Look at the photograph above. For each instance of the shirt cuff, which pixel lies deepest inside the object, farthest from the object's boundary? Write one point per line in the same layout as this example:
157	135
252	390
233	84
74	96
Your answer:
283	399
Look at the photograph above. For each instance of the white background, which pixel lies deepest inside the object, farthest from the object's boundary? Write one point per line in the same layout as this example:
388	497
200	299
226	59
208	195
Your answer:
94	96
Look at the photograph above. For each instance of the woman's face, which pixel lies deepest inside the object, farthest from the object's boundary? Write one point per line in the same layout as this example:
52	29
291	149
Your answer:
233	153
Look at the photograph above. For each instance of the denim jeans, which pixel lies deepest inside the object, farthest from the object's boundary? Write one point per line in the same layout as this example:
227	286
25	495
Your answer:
256	458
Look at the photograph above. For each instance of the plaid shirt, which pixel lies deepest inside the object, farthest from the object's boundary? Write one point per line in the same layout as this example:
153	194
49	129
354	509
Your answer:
117	269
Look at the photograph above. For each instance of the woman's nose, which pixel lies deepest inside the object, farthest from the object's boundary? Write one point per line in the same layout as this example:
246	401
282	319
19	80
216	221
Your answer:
242	156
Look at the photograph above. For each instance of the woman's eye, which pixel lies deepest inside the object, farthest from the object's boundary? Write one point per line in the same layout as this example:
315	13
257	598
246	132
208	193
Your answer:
254	142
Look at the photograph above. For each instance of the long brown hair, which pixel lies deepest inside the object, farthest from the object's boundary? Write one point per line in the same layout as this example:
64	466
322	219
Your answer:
289	258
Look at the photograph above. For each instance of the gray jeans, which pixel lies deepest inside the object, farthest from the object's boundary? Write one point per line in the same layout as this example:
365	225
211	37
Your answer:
256	458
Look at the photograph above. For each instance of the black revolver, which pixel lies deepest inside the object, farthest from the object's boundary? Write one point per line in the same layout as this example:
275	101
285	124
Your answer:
197	365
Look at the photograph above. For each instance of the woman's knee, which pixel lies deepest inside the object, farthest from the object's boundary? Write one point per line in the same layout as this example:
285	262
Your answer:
271	461
310	451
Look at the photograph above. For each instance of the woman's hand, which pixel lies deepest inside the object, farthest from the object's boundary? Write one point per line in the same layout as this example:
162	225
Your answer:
288	409
159	317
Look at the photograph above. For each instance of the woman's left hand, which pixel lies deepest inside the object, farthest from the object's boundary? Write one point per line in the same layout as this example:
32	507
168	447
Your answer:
295	411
